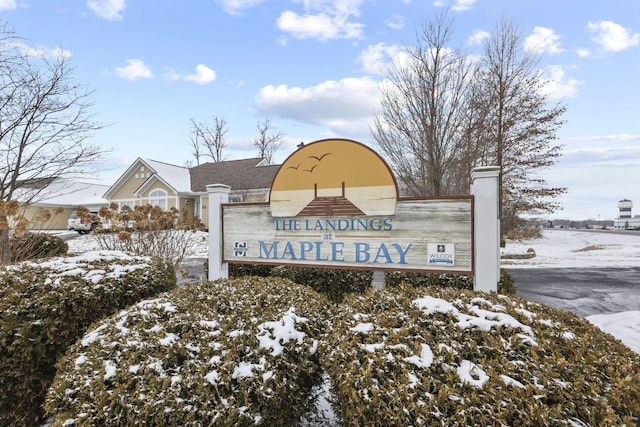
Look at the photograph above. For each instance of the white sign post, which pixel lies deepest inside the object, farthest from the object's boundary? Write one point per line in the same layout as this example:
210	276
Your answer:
486	237
218	194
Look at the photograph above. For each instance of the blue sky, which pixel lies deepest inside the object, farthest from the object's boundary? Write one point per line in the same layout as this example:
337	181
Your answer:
312	67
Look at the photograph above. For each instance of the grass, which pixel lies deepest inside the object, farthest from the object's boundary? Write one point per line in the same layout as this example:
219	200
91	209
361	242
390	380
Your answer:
590	248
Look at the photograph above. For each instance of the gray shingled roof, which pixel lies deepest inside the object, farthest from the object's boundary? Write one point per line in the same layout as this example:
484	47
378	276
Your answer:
237	174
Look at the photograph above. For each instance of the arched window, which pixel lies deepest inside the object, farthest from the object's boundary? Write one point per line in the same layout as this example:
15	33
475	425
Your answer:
158	198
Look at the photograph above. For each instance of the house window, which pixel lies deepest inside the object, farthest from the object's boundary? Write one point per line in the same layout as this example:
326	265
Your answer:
130	203
158	198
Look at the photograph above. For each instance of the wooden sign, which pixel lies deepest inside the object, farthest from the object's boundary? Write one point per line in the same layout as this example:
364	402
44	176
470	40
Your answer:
334	203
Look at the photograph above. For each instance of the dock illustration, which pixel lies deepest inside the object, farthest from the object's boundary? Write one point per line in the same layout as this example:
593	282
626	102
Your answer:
330	205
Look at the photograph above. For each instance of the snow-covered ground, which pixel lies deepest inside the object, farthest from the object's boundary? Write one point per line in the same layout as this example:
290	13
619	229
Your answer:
576	248
80	243
556	248
588	249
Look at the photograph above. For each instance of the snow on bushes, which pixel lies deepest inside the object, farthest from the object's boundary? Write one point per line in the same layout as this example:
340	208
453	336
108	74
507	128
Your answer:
506	284
441	356
46	306
335	283
231	352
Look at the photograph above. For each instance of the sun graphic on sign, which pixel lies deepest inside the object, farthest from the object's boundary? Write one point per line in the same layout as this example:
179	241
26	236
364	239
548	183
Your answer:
333	177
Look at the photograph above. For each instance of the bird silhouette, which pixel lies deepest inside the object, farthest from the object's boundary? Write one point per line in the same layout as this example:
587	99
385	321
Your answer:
295	167
312	168
319	158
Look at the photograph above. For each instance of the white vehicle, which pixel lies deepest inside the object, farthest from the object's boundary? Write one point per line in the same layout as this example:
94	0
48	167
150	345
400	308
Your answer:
80	225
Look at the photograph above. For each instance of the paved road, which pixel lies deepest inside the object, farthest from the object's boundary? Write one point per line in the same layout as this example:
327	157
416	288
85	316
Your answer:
583	291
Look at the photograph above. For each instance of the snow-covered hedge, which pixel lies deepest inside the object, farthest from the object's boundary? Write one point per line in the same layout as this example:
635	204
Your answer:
249	351
506	284
46	306
441	356
232	352
335	283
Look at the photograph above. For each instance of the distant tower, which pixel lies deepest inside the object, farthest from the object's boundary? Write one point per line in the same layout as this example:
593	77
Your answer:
625	206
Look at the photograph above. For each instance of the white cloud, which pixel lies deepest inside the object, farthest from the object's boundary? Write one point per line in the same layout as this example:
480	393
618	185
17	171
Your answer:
396	22
458	5
204	75
8	4
376	58
543	40
558	85
583	53
41	52
172	75
111	10
603	156
345	106
235	7
323	20
60	53
135	69
30	51
613	37
622	138
478	37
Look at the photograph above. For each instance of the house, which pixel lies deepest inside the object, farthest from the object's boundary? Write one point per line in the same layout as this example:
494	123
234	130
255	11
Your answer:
170	186
61	197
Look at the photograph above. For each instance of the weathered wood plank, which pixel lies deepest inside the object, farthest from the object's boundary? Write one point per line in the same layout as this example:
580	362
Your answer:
396	242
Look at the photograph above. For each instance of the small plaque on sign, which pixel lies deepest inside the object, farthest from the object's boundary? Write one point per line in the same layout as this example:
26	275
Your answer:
240	249
441	254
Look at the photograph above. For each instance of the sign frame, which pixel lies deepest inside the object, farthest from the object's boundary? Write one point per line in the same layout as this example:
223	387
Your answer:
344	180
300	242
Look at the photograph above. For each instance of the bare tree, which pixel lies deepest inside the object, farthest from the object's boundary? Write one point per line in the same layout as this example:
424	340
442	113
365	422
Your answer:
516	126
45	125
194	140
442	116
269	141
421	124
210	138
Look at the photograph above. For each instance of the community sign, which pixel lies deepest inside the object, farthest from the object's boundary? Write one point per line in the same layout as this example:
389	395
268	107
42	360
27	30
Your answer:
334	203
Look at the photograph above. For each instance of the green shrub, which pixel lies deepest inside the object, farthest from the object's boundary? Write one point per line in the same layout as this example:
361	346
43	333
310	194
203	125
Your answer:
442	356
239	270
506	284
47	306
334	283
457	281
36	245
232	352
